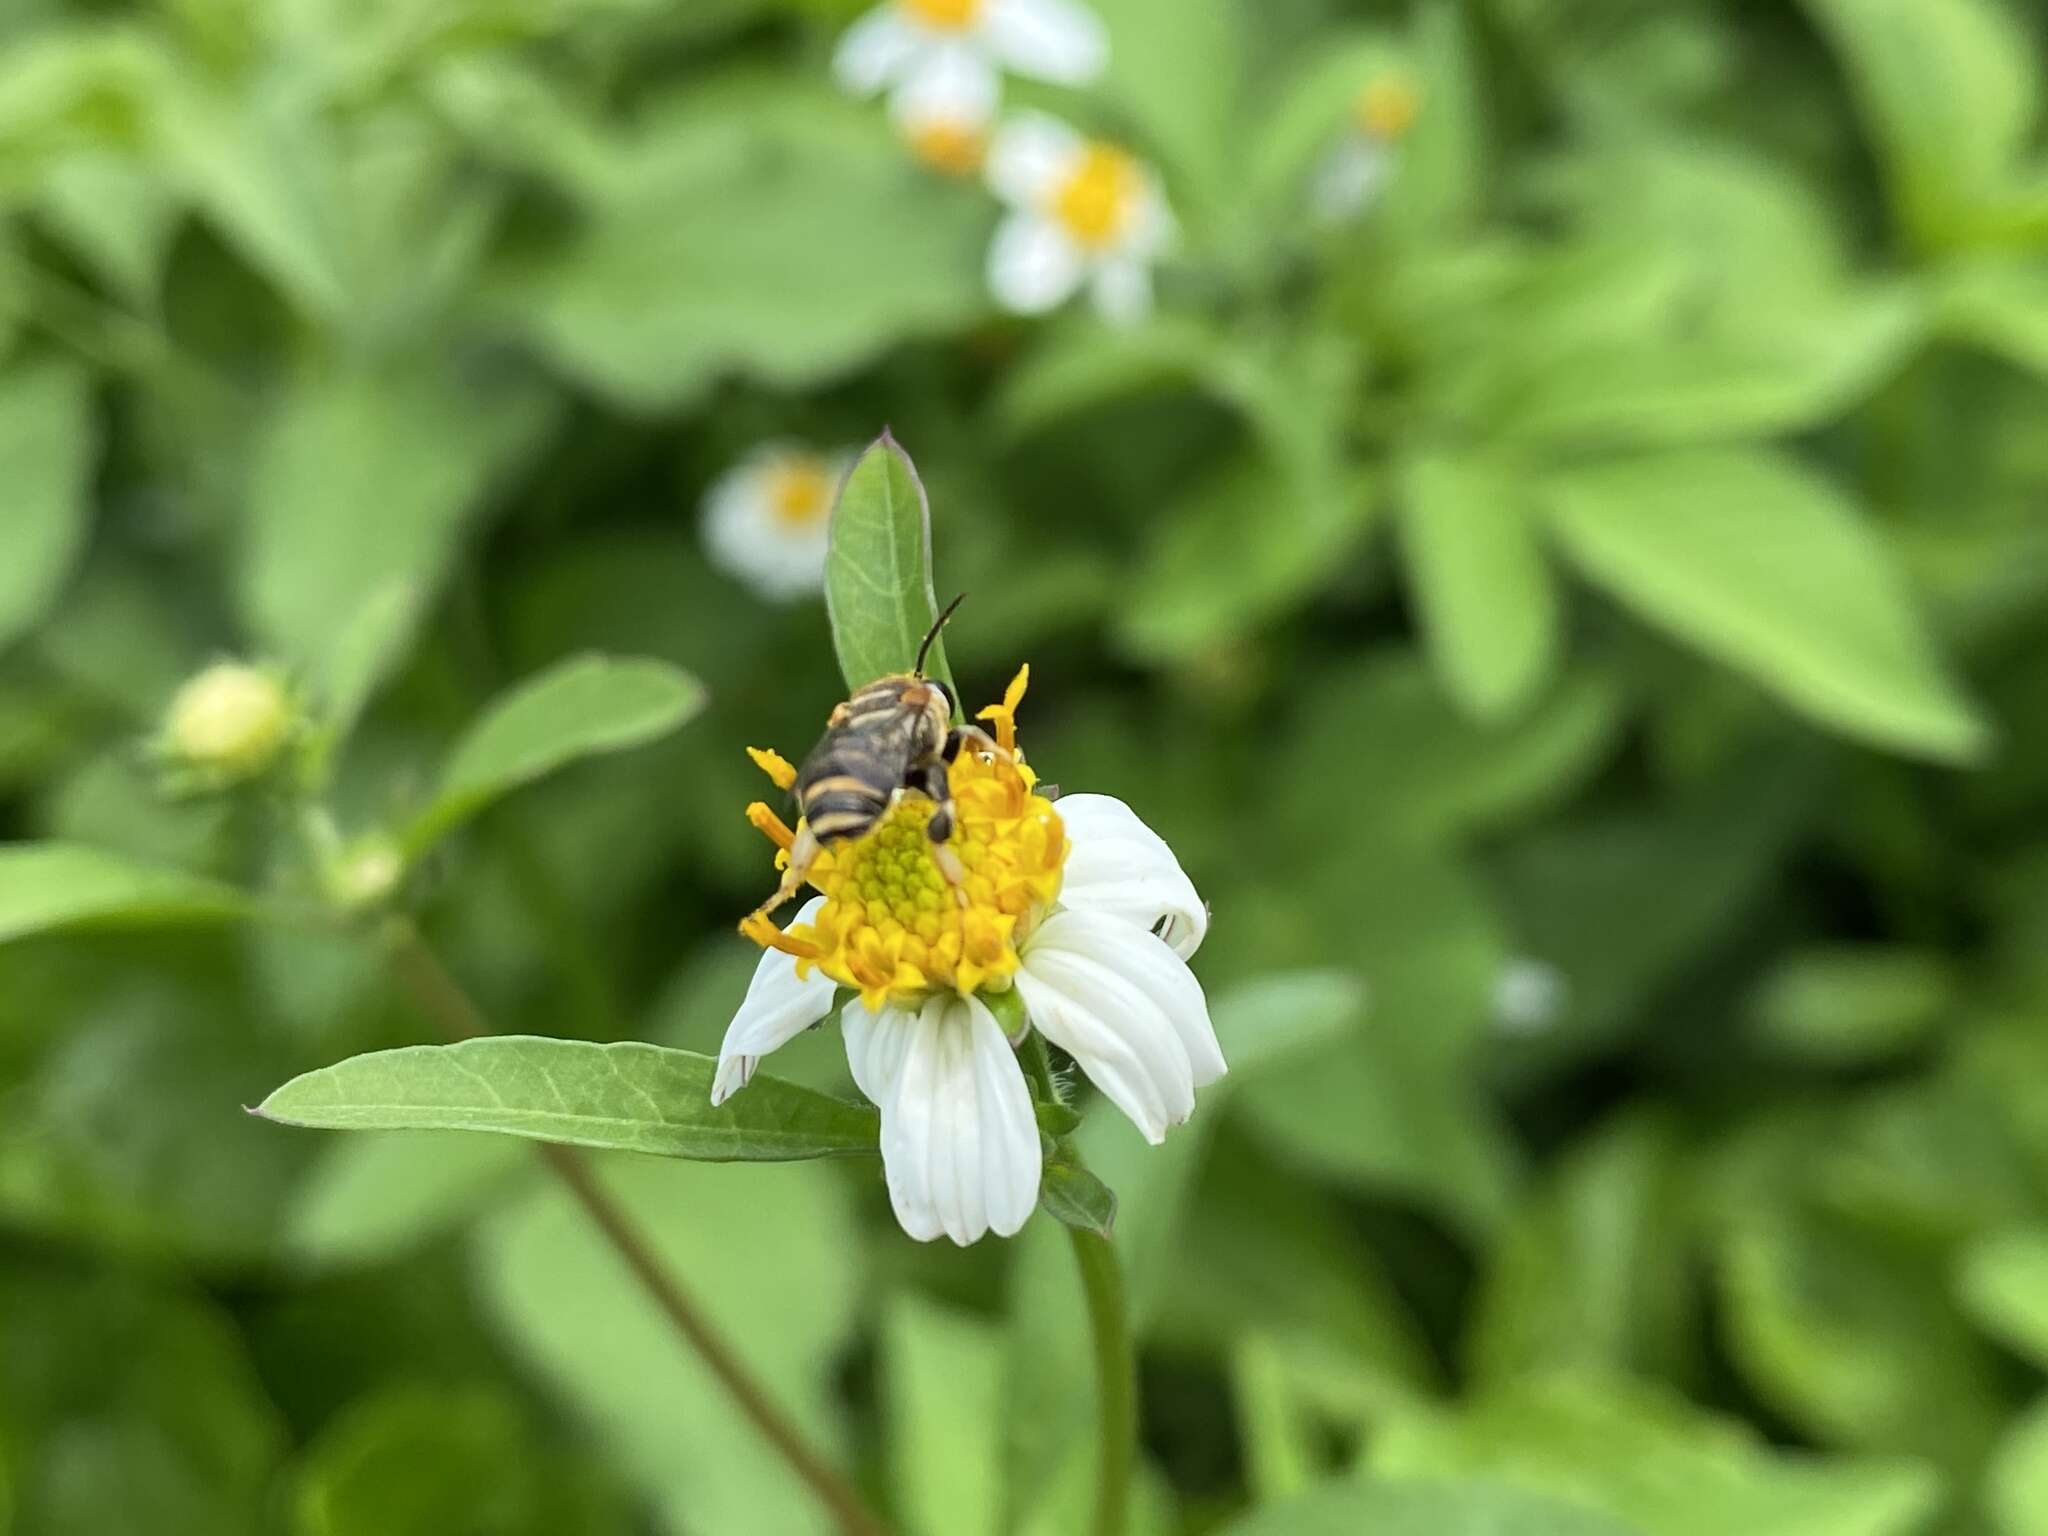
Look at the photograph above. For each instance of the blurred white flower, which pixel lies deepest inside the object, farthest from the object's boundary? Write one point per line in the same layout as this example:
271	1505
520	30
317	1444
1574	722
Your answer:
1357	166
1075	904
945	113
1529	995
902	43
765	518
1084	212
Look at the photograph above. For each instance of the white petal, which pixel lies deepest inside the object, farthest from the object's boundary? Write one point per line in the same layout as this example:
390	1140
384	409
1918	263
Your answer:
953	85
1348	177
1032	264
1054	40
876	50
1031	155
778	1007
1127	1009
959	1142
1120	866
1122	290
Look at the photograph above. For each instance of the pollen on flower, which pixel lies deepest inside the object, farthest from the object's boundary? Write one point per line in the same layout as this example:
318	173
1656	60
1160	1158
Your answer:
944	15
1096	201
953	148
892	927
799	491
1387	106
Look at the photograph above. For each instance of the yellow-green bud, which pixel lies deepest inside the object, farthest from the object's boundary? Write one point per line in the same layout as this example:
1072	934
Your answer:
367	874
229	723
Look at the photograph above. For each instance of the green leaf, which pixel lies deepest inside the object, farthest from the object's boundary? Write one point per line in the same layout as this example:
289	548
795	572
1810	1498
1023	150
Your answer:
942	1372
1850	1004
1489	607
579	708
1175	67
1073	1196
1643	1455
48	443
2016	1484
2004	1284
1764	566
1446	1508
1952	90
45	887
2001	306
375	1197
878	571
628	1096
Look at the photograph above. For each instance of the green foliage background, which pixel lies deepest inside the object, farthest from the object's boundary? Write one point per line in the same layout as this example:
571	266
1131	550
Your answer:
1621	554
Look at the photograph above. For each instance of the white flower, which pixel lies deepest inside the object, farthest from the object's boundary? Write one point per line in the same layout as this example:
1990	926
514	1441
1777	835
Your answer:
1101	969
1358	165
945	112
765	519
901	42
1084	211
1529	995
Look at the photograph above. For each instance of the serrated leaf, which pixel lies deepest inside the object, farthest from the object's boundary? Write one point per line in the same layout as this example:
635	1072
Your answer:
579	708
1489	606
1767	568
625	1096
878	569
49	886
48	444
1073	1196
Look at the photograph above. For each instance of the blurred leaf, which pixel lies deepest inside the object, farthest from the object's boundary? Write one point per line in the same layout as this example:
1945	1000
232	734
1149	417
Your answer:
2017	1483
1952	90
1851	1004
628	1096
2004	1284
1074	1197
1441	188
1175	68
374	1197
1488	603
49	886
772	1261
364	478
656	299
578	708
48	442
2001	306
366	649
1644	1456
1278	1437
118	215
878	574
942	1371
1435	1508
1762	564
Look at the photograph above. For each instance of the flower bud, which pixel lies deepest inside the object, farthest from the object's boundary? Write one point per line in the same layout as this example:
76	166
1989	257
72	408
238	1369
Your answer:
228	724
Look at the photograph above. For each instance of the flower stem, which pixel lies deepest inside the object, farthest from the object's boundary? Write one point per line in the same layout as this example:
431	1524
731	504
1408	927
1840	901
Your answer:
1116	1368
440	996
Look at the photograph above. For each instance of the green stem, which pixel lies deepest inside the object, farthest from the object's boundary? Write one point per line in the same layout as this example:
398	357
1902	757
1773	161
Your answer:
1116	1367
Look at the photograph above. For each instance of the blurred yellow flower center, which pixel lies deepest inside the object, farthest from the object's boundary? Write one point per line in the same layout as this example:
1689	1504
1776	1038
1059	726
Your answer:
893	927
799	492
954	148
1095	203
944	15
1387	107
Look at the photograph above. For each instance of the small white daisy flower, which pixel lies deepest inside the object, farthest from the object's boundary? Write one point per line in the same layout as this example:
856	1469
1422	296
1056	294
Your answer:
902	42
1357	167
1085	212
945	113
1077	905
764	519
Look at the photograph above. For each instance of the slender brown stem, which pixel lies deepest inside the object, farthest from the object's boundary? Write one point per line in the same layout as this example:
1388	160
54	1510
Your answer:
442	998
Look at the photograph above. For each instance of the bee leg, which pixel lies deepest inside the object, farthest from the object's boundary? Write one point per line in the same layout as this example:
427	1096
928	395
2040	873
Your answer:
933	782
961	735
803	853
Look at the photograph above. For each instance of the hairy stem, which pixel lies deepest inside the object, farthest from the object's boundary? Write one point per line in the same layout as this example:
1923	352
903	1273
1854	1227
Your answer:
442	998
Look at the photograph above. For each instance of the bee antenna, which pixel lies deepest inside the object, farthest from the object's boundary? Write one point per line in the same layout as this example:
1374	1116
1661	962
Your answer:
933	633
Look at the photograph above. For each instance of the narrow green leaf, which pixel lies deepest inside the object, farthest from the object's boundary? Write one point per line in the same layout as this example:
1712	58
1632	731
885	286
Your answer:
49	886
2004	1286
1489	606
626	1096
578	708
943	1374
2016	1484
1766	567
1070	1194
379	1196
47	443
1844	1005
1474	1508
878	573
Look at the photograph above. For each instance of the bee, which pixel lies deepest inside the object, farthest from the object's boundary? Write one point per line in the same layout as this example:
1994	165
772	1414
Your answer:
894	736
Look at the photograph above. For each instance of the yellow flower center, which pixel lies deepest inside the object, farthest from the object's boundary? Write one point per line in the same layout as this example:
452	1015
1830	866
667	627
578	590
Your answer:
952	148
893	927
799	492
1387	107
944	15
1095	203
